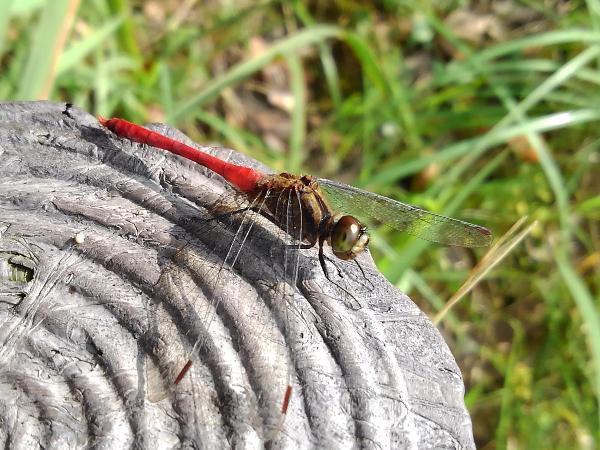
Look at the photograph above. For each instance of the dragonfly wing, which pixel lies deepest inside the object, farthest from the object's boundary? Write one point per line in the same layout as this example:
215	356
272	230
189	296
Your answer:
411	219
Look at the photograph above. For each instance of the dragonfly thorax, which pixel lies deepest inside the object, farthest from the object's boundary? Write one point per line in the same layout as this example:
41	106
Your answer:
297	205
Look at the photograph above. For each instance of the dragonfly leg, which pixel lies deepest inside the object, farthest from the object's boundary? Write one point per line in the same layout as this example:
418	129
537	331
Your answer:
364	275
332	261
322	259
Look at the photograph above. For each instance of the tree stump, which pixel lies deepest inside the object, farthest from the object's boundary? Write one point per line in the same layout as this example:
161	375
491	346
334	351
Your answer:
108	256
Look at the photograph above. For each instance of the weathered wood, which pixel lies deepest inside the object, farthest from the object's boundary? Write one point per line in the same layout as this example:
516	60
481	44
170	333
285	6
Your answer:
108	269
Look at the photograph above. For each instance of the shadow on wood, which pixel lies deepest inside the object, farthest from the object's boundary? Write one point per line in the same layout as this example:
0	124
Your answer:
107	267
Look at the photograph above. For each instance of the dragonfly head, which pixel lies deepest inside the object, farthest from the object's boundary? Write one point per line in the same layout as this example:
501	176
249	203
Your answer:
348	237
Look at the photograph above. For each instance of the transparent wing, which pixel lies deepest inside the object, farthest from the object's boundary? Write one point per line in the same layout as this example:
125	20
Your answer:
416	221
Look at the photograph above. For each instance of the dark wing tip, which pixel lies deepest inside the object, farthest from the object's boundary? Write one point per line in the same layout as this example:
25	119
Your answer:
484	231
486	236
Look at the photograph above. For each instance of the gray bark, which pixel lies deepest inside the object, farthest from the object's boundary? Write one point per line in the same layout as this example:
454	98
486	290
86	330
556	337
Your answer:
111	271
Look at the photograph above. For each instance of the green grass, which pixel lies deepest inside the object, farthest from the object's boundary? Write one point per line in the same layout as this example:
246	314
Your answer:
390	98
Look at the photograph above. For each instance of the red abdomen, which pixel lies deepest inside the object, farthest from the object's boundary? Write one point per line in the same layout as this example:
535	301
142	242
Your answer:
241	177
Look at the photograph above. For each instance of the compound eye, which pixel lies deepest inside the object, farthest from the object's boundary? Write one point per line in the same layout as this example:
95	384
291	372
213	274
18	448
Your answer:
345	235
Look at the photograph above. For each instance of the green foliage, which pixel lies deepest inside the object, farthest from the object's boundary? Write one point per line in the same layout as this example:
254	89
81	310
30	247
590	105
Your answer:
400	100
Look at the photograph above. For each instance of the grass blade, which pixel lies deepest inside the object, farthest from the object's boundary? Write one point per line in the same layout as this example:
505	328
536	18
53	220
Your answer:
587	308
51	32
245	69
6	6
479	145
298	133
77	52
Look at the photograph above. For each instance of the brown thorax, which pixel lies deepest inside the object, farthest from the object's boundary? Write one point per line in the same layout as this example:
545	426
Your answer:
297	205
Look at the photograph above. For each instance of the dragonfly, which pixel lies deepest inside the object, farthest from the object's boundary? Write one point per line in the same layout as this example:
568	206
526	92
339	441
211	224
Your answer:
313	211
312	204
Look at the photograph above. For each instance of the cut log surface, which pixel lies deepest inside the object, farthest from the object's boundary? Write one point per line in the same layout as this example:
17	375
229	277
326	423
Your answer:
112	274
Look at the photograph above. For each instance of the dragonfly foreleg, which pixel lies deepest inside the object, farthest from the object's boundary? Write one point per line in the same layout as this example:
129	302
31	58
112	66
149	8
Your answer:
323	261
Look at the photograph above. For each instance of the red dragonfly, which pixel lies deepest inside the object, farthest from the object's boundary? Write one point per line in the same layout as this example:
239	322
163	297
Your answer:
284	196
308	209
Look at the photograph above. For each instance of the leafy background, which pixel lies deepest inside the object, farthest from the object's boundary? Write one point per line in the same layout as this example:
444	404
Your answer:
484	110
